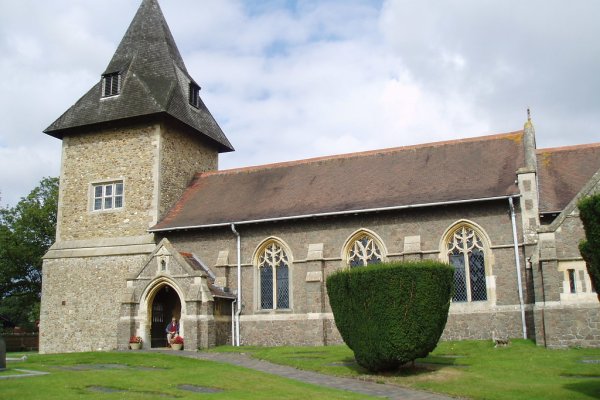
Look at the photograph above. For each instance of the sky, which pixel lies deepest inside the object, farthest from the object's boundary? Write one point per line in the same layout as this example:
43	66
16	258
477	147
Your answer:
288	80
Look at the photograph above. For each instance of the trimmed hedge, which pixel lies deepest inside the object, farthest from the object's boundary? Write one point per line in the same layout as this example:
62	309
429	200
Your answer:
392	313
589	212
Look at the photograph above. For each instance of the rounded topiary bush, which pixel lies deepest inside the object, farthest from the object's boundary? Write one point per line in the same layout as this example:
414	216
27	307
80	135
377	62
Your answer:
392	313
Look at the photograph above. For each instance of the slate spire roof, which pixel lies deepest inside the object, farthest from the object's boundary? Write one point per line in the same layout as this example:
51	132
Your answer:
154	82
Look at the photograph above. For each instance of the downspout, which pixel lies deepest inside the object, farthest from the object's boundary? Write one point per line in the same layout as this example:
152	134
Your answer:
239	287
518	265
233	321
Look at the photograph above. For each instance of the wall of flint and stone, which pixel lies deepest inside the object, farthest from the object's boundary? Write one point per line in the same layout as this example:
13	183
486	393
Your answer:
81	300
563	323
309	321
156	162
96	157
182	155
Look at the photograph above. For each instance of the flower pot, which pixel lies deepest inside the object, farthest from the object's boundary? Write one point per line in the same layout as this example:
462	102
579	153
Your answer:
176	346
135	346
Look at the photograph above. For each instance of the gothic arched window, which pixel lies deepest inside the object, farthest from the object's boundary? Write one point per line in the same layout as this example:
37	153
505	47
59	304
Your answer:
274	277
363	249
466	253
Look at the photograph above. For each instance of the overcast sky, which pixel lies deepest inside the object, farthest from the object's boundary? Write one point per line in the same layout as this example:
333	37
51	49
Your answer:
295	79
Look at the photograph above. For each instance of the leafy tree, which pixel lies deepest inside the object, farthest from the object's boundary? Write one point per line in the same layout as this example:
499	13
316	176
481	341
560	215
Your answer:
589	212
26	232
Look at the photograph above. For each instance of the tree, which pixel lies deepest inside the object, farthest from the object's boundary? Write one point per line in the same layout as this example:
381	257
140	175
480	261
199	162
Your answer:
391	313
589	212
26	232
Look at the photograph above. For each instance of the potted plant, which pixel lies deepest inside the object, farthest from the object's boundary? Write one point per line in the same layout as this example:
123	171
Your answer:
135	342
177	343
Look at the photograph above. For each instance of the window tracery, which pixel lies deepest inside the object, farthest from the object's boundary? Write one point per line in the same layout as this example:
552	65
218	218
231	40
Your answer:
466	253
363	250
273	267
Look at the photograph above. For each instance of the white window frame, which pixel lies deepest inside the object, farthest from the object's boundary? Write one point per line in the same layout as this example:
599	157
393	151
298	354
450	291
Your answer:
108	196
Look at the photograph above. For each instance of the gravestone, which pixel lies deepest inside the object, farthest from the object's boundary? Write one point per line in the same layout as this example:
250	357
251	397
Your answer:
2	354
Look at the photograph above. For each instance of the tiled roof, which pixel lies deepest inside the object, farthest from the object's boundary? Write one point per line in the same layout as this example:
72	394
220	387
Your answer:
477	168
155	82
196	264
563	172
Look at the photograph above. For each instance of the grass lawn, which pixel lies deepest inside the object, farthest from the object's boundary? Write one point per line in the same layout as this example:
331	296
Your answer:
472	369
136	375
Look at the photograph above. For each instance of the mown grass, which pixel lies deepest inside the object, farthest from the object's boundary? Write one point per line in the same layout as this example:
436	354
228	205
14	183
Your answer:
472	369
136	375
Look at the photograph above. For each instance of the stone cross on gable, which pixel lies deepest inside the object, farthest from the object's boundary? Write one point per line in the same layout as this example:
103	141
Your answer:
2	354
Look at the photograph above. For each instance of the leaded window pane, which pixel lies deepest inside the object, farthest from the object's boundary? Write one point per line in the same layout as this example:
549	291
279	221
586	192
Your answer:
266	287
466	247
118	189
108	202
460	282
477	275
283	294
273	262
118	201
108	190
98	204
98	191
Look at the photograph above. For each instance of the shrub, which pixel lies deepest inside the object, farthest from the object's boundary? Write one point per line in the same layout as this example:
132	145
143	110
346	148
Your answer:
390	314
589	212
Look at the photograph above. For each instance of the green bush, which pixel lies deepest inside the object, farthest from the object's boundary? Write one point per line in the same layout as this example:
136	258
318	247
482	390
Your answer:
390	314
589	212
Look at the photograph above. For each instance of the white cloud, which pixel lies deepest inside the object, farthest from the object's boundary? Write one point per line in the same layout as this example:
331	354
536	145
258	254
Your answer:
288	80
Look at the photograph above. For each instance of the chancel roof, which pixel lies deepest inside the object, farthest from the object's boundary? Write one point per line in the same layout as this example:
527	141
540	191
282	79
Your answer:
562	173
154	82
453	171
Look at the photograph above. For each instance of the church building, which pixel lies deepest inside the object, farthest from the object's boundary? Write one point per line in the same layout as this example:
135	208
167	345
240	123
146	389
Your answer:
149	228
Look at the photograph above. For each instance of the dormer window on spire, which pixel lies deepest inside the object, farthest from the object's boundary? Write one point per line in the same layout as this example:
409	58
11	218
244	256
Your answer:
111	84
194	95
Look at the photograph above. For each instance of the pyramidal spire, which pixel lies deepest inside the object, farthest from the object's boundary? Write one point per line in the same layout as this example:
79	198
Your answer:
146	77
148	37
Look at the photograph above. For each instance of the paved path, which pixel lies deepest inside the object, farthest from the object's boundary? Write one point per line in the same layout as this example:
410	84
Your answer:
354	385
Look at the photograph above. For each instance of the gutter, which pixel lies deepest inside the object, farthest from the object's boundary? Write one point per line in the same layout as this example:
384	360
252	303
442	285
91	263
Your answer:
518	265
238	302
332	213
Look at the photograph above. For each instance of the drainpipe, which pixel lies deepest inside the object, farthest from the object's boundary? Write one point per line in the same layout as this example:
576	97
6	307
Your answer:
239	286
518	265
233	321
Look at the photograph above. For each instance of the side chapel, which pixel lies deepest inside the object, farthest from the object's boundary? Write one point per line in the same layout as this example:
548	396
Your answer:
149	227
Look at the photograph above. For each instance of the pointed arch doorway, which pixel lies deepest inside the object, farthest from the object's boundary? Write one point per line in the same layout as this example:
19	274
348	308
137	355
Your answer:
165	305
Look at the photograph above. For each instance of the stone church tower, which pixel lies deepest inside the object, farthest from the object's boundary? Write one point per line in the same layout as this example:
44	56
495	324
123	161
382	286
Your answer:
130	146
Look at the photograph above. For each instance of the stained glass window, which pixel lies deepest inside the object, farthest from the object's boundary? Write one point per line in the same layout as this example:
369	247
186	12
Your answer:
364	251
466	253
273	267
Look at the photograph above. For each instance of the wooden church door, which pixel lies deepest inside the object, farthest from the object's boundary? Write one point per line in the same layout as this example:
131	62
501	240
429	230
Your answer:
165	306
